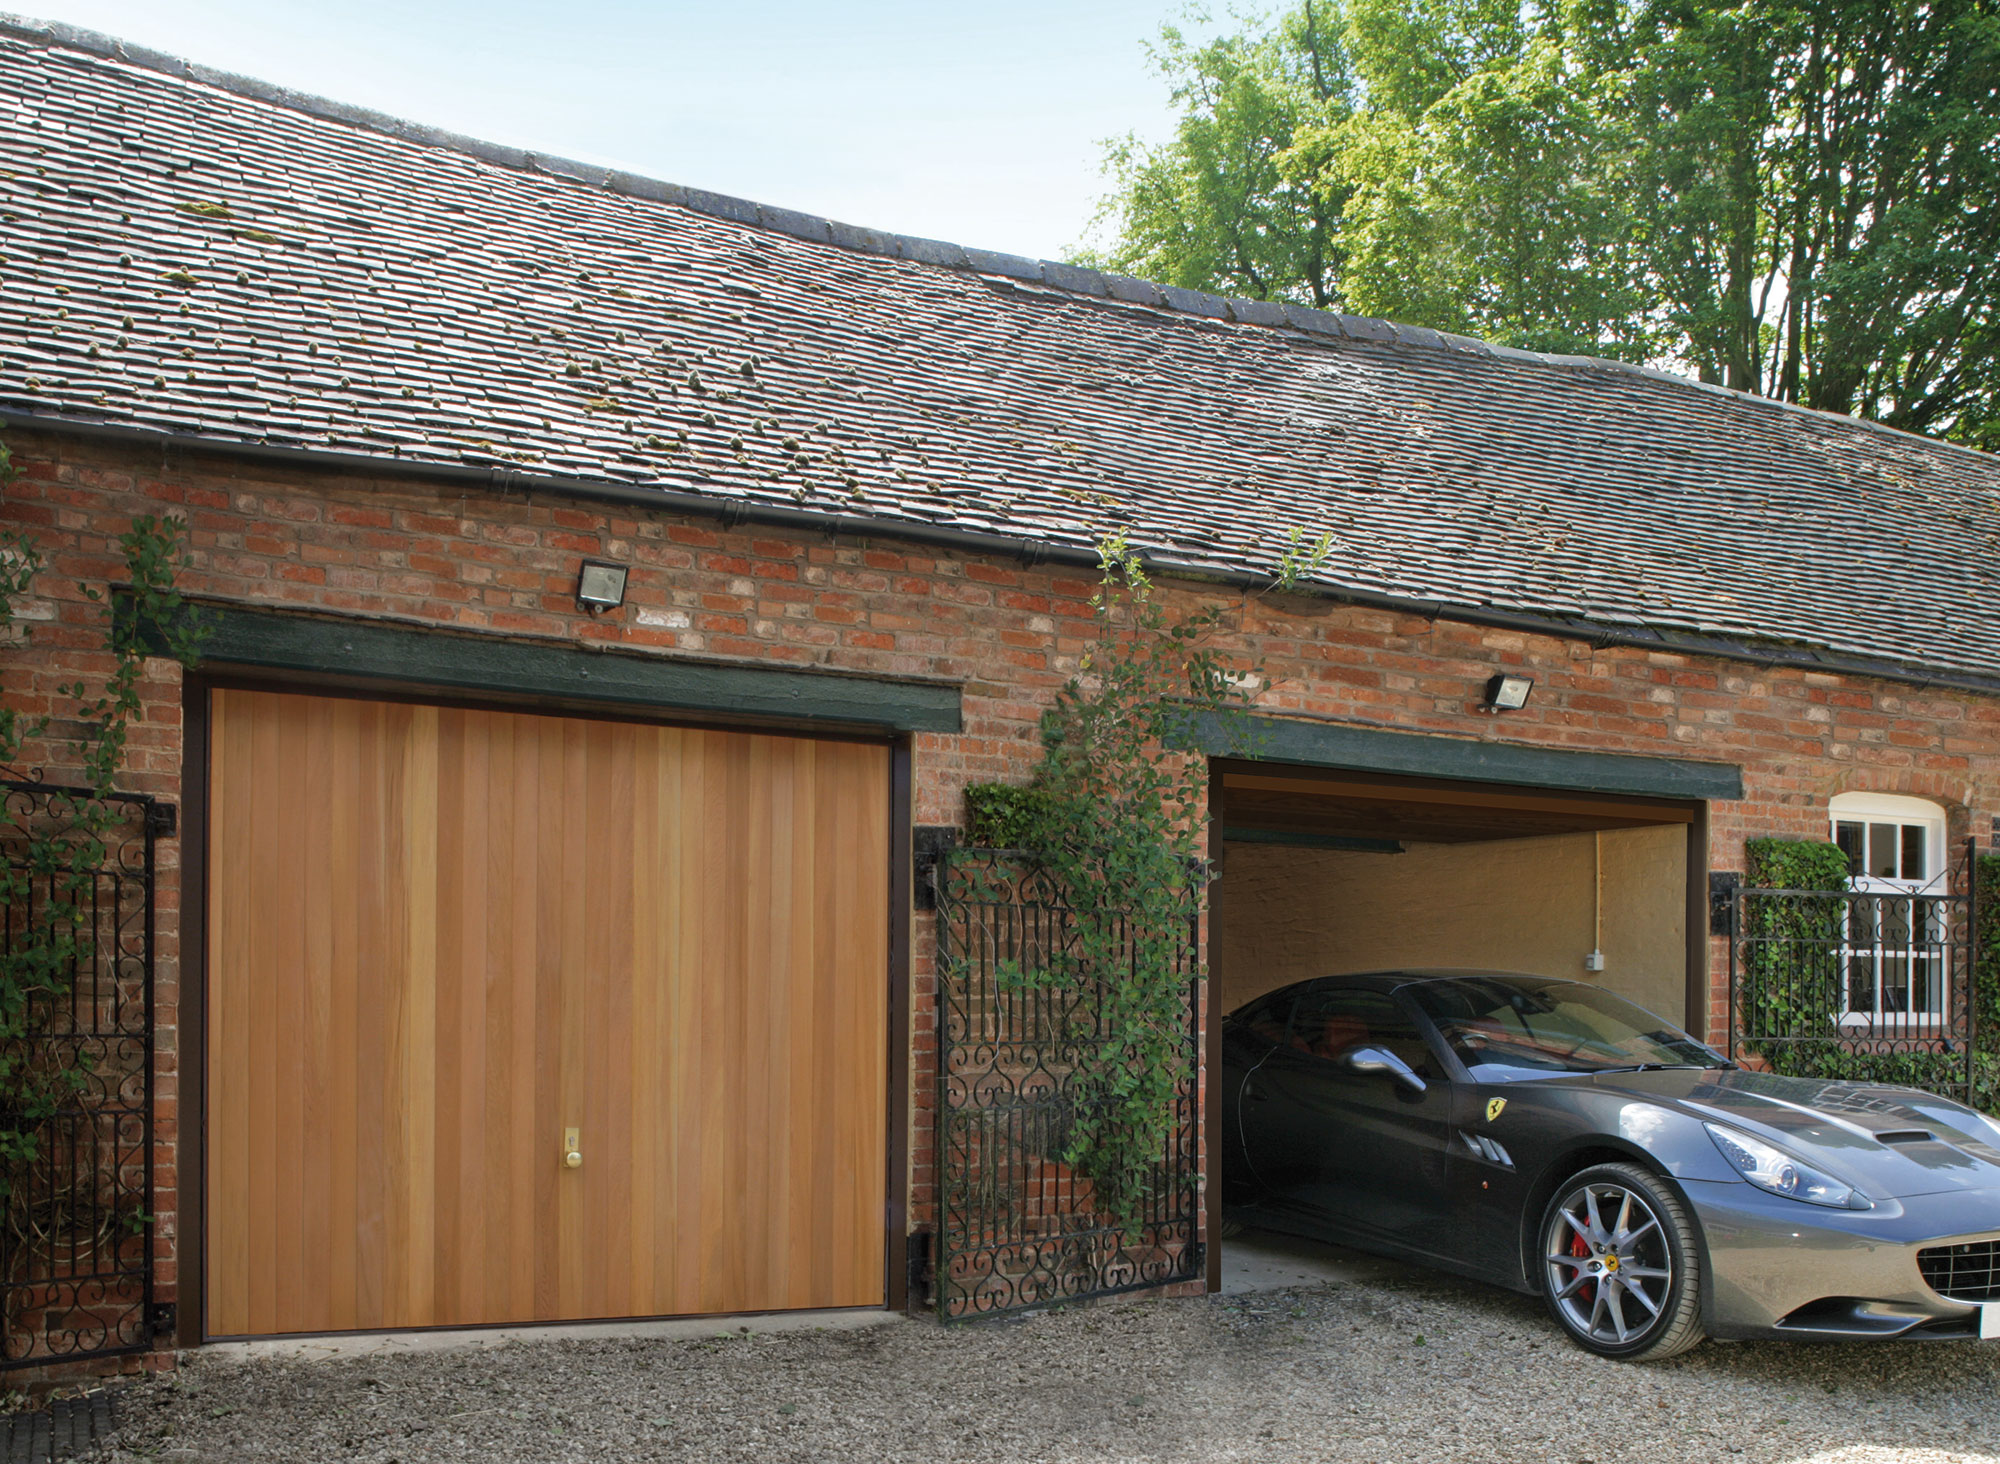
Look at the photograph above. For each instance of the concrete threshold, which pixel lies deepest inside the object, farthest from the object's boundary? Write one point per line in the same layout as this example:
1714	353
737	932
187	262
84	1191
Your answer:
1265	1260
332	1347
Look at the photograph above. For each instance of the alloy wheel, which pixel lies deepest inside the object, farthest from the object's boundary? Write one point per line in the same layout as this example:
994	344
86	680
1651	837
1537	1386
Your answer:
1610	1266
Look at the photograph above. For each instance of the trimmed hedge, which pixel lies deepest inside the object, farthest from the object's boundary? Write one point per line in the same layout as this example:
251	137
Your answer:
1005	815
1794	864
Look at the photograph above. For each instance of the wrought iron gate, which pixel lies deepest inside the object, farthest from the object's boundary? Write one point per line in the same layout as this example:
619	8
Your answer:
1862	985
1017	1227
76	1242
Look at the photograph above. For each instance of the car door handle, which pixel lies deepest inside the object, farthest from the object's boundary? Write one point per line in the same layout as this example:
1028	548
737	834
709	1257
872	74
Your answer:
1255	1094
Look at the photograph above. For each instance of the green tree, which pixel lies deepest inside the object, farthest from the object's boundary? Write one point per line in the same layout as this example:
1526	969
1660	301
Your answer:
1817	200
1484	179
1791	197
1213	209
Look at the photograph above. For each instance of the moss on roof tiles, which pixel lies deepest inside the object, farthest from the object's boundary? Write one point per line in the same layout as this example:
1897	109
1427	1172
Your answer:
1449	472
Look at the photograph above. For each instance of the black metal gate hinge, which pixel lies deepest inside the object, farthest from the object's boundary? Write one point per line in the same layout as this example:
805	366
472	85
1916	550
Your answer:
1722	887
163	820
921	1275
929	843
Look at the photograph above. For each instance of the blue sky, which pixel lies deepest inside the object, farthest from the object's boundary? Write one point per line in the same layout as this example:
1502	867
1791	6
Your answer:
980	124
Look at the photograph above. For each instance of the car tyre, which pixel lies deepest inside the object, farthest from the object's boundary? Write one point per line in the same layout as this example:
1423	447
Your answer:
1620	1264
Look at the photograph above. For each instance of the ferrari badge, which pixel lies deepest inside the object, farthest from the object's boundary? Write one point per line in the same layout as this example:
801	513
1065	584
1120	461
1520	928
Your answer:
1494	1108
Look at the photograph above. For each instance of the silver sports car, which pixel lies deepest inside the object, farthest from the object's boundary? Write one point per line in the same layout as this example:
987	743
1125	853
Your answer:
1554	1138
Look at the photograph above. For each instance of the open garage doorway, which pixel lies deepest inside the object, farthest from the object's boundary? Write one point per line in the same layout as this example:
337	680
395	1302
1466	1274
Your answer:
1324	872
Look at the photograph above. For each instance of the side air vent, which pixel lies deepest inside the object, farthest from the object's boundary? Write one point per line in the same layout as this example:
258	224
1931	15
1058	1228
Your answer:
1491	1150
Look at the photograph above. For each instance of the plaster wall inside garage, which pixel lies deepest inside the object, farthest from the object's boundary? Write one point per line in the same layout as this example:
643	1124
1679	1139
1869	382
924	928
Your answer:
1286	913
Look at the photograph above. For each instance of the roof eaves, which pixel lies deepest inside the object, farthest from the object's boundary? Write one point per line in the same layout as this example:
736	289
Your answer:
732	512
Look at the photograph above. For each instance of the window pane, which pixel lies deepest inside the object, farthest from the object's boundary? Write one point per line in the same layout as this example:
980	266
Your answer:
1916	843
1267	1019
1863	921
1331	1020
1896	919
1514	1026
1933	922
1929	987
1861	982
1853	839
1895	982
1882	851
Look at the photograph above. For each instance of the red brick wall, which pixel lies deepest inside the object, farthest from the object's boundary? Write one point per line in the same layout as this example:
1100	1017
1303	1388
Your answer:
476	561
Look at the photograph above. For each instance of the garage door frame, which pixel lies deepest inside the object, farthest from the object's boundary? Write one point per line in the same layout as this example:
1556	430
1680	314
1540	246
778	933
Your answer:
341	681
1417	760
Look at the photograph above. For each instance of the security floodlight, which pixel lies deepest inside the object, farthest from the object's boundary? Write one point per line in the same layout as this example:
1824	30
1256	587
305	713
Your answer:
600	586
1506	693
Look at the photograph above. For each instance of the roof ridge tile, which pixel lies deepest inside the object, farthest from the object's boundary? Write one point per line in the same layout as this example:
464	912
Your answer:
1195	302
931	251
798	225
1007	266
1257	312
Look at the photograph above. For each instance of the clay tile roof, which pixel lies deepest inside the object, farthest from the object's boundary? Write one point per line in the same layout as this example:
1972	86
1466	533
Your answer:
200	255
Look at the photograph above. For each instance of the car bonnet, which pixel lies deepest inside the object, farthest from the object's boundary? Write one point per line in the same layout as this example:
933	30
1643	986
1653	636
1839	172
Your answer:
1893	1142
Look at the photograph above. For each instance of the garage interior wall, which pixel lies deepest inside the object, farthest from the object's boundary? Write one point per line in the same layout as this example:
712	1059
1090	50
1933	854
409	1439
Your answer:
1288	913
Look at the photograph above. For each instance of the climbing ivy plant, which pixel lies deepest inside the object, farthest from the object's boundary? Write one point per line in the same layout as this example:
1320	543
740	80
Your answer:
1116	819
56	847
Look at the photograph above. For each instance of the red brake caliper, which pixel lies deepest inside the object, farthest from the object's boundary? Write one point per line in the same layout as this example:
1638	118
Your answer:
1581	1251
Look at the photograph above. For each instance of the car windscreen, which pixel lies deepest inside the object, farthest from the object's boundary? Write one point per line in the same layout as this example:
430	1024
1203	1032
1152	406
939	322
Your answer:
1523	1028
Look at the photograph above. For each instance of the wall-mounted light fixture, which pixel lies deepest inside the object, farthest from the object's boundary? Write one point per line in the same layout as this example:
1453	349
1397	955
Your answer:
600	586
1506	693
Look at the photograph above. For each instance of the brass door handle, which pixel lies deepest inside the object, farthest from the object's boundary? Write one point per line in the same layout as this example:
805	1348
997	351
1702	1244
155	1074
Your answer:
572	1152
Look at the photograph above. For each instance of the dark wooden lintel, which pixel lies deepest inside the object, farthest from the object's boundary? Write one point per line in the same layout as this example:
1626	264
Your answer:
1311	743
257	639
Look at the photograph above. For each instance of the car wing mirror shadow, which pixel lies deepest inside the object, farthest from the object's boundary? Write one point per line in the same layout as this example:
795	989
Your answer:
1381	1062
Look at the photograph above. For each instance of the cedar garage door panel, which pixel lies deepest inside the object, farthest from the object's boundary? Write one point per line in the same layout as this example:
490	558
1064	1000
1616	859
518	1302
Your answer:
440	937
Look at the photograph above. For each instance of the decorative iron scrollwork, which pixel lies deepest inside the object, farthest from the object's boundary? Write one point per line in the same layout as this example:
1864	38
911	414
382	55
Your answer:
1019	1227
76	1265
1865	985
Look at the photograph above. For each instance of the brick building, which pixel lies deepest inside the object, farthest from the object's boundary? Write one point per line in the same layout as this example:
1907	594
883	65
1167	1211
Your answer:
473	879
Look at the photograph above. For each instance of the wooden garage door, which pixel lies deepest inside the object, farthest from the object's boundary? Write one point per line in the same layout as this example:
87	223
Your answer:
439	938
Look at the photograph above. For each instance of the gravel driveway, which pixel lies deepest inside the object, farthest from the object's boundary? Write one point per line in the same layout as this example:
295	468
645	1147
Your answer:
1405	1368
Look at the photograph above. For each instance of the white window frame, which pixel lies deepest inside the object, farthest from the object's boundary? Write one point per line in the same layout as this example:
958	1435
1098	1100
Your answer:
1907	966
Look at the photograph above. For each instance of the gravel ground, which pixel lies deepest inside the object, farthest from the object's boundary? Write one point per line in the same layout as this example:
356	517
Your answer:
1406	1369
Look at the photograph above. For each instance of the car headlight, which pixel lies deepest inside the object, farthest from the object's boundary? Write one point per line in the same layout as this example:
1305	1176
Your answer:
1774	1170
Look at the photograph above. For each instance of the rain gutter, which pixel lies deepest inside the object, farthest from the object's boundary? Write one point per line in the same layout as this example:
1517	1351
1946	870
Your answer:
732	512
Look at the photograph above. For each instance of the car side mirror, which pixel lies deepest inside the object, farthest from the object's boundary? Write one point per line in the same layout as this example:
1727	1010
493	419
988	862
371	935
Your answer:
1381	1062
